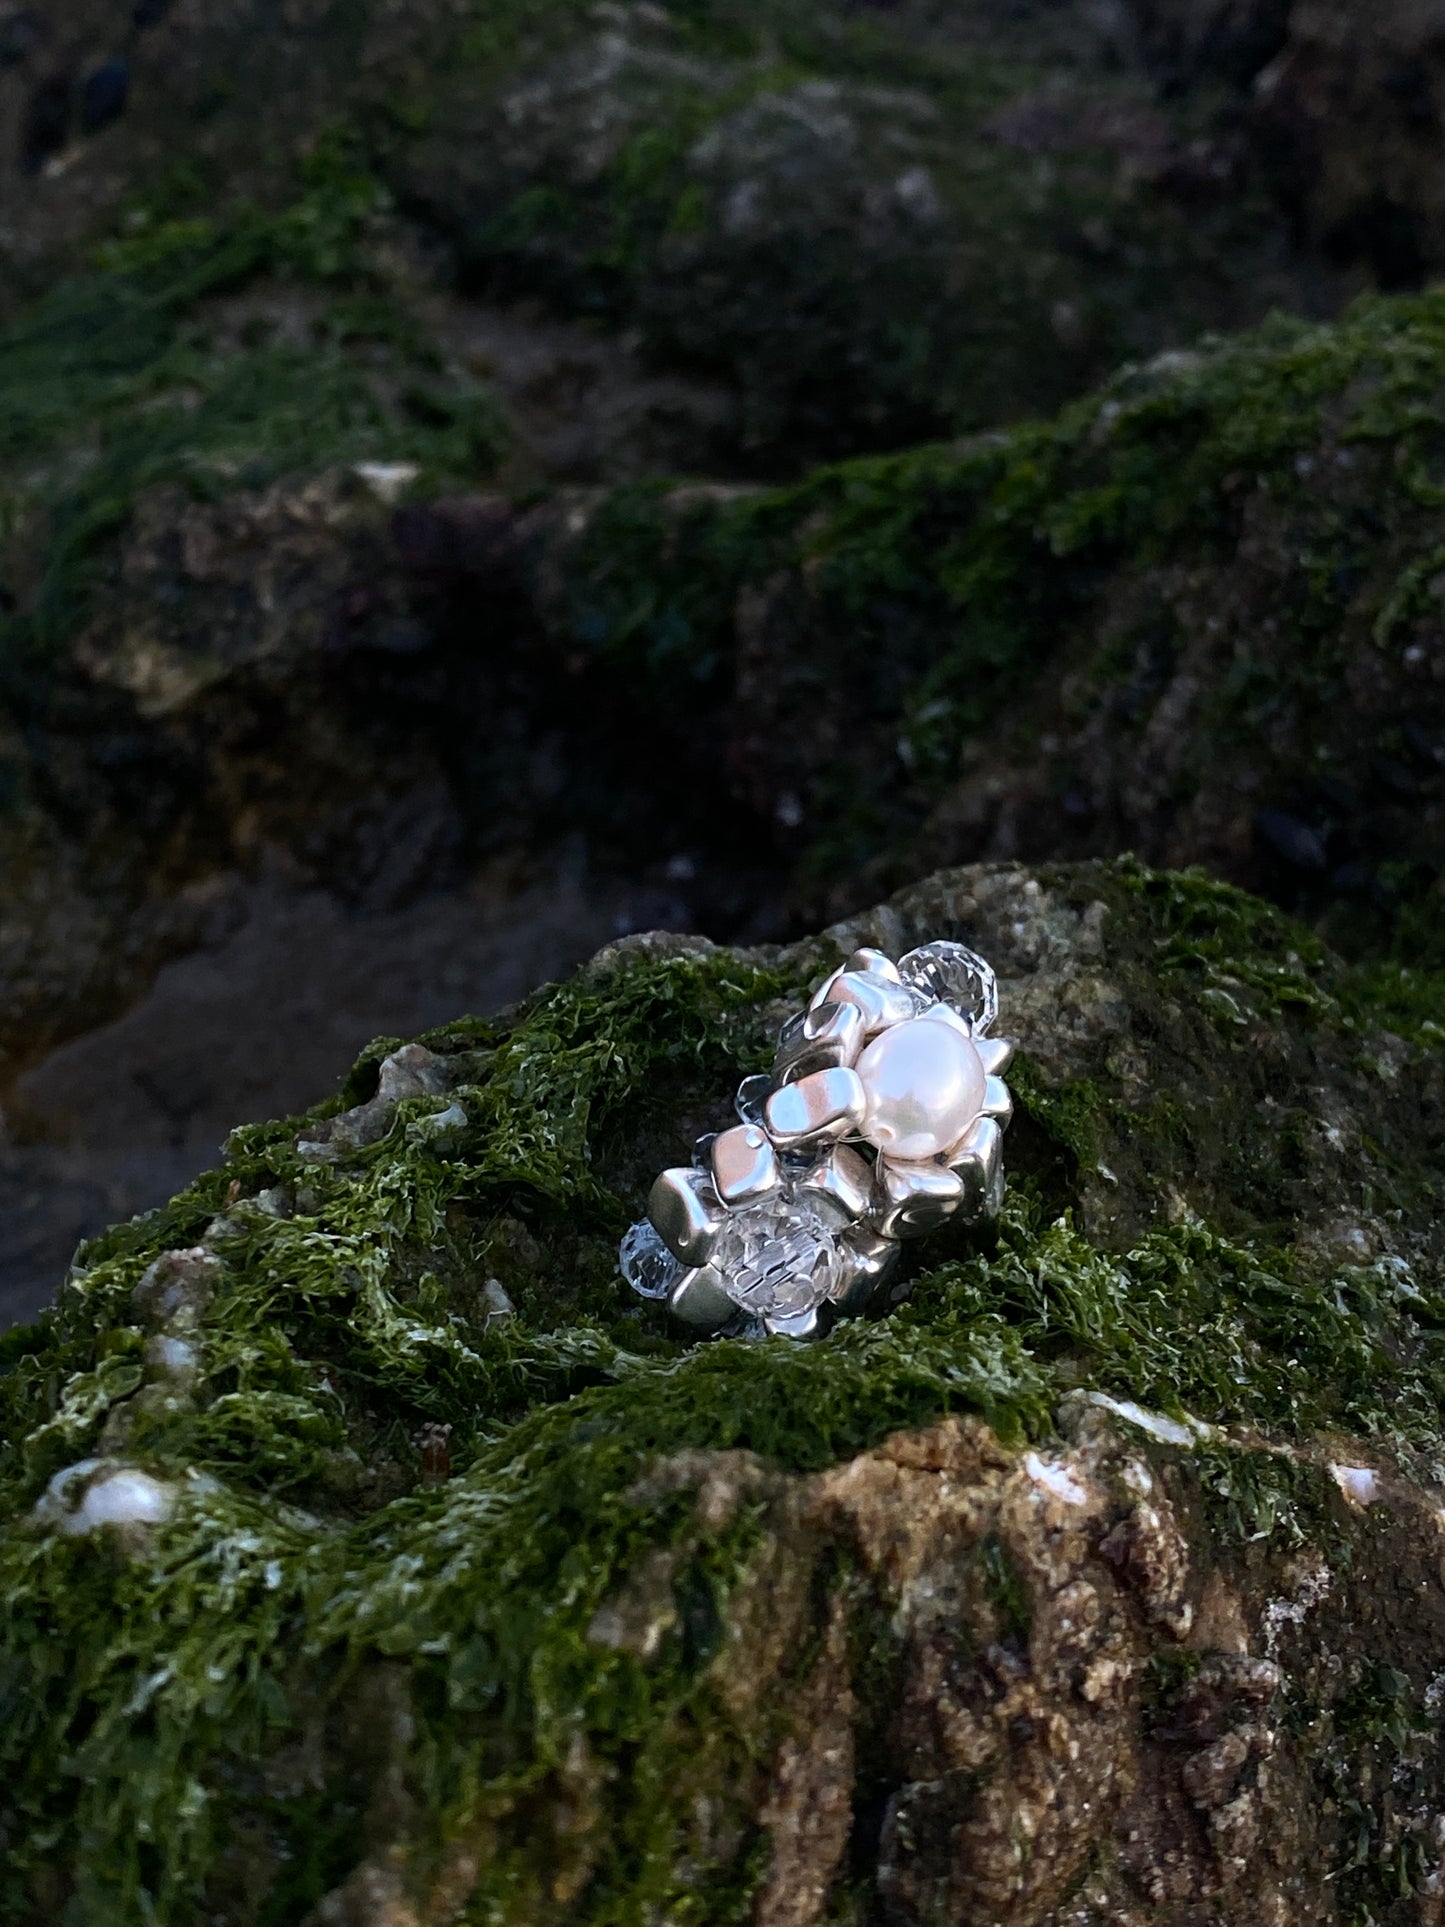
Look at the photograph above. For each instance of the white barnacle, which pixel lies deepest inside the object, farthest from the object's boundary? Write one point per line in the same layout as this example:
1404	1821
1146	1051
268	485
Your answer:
1055	1479
1359	1483
97	1492
1157	1425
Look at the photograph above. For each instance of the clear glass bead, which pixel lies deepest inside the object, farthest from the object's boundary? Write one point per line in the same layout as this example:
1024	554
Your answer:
647	1264
950	973
777	1258
753	1094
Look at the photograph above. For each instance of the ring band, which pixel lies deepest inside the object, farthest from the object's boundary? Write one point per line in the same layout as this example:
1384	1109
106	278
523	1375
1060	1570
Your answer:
882	1119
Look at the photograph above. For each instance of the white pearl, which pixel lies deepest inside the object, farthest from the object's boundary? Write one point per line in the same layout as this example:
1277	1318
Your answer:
924	1085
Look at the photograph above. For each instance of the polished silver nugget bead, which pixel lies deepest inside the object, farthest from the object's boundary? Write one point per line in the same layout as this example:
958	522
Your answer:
827	1037
914	1199
865	1259
744	1164
823	1105
688	1214
840	1183
700	1299
979	1163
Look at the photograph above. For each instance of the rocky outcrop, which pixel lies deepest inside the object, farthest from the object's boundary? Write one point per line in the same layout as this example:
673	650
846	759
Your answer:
368	1557
1192	616
883	227
288	468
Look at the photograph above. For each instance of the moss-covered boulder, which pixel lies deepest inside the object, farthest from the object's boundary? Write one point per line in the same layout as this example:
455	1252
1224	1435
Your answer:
369	1556
866	225
1196	614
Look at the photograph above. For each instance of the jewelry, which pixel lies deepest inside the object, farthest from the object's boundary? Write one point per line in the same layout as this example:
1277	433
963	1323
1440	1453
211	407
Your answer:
882	1119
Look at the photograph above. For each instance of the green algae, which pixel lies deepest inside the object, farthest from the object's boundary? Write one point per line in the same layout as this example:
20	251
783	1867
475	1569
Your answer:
945	581
158	1700
129	376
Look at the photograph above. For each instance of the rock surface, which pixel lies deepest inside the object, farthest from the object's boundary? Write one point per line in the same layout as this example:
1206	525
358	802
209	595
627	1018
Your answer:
367	1557
348	357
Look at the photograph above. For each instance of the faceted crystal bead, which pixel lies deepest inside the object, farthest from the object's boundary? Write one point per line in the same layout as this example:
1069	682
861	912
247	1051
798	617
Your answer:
950	973
647	1264
753	1094
779	1258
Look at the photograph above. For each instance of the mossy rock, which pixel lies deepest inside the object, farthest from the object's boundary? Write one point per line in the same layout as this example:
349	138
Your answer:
868	225
1097	1580
1195	615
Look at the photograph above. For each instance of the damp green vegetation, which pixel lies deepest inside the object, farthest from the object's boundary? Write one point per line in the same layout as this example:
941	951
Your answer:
963	255
161	1693
222	354
945	580
1378	1729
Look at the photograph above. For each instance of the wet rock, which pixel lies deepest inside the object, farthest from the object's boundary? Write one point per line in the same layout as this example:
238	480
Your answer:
411	1071
1053	1594
104	94
176	1289
1296	843
47	122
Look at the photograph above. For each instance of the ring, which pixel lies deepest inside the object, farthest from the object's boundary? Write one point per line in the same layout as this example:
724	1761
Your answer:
882	1118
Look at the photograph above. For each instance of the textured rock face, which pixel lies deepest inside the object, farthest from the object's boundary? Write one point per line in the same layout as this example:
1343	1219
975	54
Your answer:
343	274
368	1557
1196	616
1370	192
757	195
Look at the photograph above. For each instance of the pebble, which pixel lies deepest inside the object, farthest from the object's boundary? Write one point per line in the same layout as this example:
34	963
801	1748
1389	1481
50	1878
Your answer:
1299	845
104	95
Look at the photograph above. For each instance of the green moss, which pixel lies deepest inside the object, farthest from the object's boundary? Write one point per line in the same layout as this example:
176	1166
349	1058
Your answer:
943	581
155	1703
127	377
1244	959
1007	1593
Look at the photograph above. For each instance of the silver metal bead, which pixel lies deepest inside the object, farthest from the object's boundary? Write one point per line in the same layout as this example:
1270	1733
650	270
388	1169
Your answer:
997	1054
826	1037
881	1002
978	1161
866	1260
687	1213
827	1104
871	963
700	1299
875	964
911	1200
840	1184
998	1101
744	1164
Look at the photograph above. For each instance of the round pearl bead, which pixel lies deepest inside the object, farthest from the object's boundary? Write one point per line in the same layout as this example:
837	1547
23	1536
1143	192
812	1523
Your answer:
924	1083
